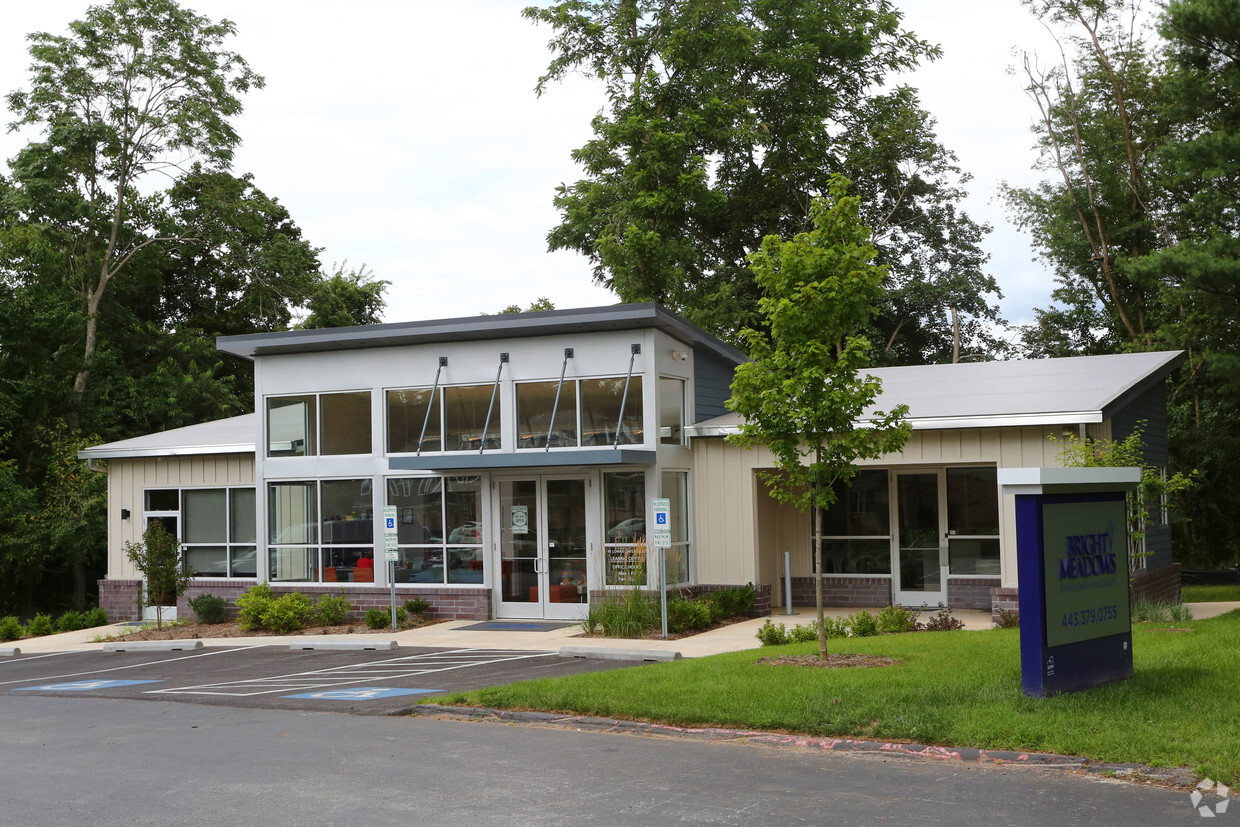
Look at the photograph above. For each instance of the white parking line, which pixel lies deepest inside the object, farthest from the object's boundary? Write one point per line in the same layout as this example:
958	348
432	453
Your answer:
384	670
145	664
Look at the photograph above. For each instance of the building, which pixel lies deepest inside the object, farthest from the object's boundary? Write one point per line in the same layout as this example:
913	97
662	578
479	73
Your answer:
520	454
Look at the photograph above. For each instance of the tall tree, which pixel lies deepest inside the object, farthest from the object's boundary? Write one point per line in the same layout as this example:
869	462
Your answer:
135	88
805	394
724	121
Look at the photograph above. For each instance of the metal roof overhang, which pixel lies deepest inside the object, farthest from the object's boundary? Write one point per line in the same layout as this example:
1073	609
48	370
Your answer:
103	452
940	423
515	461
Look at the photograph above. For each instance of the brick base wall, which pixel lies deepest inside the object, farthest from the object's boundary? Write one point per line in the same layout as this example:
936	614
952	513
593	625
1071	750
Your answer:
119	598
1001	598
1160	585
971	592
843	591
761	601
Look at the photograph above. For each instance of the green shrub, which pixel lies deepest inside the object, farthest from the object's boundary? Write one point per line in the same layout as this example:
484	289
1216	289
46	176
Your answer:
95	617
39	626
70	621
804	634
942	621
1007	619
287	613
331	610
895	619
689	614
377	618
733	602
1149	611
10	628
208	608
837	627
863	624
771	635
417	607
252	604
629	613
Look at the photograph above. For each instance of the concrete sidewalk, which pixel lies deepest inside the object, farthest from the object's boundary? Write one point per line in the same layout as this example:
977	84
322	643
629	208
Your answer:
453	634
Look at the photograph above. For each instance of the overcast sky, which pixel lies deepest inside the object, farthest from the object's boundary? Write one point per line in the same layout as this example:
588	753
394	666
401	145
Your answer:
405	135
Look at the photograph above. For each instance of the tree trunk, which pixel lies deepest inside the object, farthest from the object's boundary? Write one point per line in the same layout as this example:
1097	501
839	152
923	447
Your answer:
822	626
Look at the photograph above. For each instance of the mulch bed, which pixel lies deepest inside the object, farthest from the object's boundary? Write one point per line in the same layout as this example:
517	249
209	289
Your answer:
832	662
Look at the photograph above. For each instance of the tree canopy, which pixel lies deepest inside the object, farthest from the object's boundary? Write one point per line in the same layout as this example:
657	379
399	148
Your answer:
724	120
805	394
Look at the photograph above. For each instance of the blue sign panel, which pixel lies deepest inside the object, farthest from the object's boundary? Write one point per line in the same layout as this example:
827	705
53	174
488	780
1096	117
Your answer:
80	686
360	693
1072	564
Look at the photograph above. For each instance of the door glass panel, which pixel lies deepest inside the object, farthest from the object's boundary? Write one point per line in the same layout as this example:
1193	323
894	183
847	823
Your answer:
566	541
518	541
919	532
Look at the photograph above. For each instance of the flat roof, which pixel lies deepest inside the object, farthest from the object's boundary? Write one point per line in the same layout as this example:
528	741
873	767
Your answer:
478	328
1078	389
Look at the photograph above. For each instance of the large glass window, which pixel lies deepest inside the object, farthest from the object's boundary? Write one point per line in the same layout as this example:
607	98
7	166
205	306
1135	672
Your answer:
671	411
856	530
439	529
601	404
321	531
291	426
536	403
624	515
216	527
675	486
346	423
332	423
973	521
406	419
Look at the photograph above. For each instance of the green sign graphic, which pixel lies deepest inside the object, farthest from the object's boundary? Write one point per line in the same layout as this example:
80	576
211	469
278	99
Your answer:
1085	571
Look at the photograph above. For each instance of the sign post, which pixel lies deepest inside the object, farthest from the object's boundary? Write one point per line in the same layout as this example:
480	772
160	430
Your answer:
1072	567
390	553
661	538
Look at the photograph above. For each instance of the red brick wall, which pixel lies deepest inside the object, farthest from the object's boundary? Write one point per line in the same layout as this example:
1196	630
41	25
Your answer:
1001	598
971	592
843	591
119	598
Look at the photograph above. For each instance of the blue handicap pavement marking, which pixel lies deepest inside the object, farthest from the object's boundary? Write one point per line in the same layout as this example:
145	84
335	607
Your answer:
360	693
81	686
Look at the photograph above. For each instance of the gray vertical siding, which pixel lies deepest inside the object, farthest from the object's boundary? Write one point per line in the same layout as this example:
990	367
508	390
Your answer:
1148	412
712	378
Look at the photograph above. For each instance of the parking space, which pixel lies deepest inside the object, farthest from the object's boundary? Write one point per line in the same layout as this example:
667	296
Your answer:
377	683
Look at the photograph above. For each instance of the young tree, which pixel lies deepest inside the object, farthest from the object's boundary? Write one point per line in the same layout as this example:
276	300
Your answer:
724	120
137	87
805	395
158	558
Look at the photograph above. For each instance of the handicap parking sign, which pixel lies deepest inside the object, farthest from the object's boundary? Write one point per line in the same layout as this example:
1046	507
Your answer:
660	518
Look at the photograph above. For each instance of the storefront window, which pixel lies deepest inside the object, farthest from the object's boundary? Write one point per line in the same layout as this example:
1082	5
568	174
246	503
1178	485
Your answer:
536	402
211	525
291	426
601	403
321	531
624	515
671	411
406	417
675	486
856	530
465	418
973	521
439	530
346	423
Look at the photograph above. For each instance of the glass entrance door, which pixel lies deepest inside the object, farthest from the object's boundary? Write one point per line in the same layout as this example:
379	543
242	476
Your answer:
921	559
544	546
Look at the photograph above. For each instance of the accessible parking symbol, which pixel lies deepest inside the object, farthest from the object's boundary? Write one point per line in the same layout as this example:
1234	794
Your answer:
360	693
79	686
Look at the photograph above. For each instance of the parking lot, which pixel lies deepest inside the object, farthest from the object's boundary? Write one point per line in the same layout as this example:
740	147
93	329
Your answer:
359	682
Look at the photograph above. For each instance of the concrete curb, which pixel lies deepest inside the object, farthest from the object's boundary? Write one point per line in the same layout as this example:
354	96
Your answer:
1174	777
152	645
9	651
343	645
613	653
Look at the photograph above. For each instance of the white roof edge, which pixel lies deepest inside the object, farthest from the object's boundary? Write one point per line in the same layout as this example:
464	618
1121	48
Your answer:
102	452
705	429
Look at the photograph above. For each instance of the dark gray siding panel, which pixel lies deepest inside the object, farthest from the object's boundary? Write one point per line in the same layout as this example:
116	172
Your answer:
712	378
1149	412
1157	545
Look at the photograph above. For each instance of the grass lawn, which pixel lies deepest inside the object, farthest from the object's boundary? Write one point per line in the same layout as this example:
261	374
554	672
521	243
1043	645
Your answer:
1210	594
953	688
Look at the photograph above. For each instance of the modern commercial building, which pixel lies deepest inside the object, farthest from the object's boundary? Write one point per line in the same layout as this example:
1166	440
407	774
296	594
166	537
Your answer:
521	452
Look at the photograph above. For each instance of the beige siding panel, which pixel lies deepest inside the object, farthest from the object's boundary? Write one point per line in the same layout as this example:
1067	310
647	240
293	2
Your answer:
129	478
